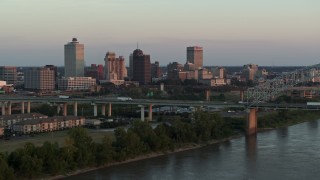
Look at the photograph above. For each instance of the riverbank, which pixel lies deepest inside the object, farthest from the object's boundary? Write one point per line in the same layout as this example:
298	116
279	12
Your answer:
281	151
146	156
132	144
298	117
286	118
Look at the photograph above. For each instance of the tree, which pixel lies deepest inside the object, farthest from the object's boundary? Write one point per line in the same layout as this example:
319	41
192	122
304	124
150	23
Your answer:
128	144
25	161
46	109
52	161
81	140
202	126
164	133
67	154
6	172
191	82
105	152
182	132
146	134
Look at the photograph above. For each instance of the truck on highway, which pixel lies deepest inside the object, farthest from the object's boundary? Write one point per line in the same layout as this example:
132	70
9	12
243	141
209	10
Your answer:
124	98
313	103
64	97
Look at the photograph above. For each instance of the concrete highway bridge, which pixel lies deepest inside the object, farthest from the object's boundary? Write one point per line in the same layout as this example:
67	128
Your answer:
25	103
7	101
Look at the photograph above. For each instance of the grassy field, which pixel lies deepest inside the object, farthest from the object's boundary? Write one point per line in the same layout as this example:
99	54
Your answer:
39	139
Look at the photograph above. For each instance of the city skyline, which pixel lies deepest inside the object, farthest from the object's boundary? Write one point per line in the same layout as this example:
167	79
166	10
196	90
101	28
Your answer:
232	32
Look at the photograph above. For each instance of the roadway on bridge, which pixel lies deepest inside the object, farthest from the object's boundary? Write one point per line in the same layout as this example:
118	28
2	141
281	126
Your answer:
102	100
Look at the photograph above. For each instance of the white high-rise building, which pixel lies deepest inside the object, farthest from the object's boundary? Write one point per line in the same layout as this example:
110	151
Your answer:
74	59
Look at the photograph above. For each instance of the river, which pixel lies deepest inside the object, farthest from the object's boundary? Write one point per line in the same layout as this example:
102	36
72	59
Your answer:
286	153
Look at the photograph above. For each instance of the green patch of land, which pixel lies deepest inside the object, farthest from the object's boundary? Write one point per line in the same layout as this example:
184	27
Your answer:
39	139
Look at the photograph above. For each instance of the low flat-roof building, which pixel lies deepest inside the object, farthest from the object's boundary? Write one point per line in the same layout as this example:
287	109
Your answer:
76	83
93	122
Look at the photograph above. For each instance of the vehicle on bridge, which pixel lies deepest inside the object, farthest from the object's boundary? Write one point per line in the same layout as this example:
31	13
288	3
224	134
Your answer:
313	103
124	98
64	97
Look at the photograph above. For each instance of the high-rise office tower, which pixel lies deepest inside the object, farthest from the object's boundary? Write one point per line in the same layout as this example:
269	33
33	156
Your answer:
122	73
141	67
249	71
54	68
42	79
155	70
195	56
115	68
130	74
74	59
173	70
8	74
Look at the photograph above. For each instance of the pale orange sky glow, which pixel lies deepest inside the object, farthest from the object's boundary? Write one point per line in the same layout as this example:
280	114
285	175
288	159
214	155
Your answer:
232	32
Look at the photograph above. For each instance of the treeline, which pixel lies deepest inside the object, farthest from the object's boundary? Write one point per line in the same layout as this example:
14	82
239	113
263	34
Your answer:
80	151
286	118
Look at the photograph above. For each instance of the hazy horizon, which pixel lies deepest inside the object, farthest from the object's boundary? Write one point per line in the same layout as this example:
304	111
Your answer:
232	33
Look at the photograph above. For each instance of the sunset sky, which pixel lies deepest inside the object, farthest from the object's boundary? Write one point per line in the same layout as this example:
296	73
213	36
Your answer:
232	32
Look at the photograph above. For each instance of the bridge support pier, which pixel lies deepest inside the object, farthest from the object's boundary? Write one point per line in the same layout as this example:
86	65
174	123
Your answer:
208	95
3	107
142	112
65	109
241	95
58	109
110	110
28	107
75	109
103	110
9	108
252	122
95	110
22	107
150	112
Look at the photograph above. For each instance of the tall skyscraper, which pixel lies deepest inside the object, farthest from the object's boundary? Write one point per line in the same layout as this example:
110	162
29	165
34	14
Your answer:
155	70
115	68
141	67
130	74
249	71
74	59
195	56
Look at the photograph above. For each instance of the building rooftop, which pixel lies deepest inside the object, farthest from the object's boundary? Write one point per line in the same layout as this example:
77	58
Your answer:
138	52
22	116
48	120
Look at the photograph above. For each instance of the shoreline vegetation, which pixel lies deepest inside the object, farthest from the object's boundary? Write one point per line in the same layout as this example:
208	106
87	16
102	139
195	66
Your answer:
147	156
81	154
143	157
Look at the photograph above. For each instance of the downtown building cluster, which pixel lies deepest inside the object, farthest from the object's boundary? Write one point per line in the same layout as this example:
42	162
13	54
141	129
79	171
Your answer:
141	71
